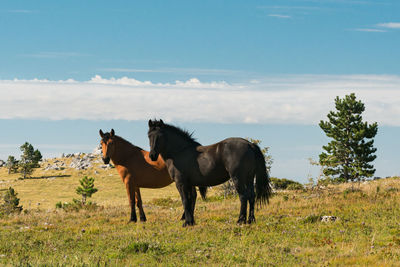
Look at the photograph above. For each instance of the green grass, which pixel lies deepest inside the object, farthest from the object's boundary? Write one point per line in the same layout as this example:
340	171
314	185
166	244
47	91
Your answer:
287	232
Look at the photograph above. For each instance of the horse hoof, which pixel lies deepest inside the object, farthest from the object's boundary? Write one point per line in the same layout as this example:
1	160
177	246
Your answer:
241	221
132	221
188	224
143	219
251	220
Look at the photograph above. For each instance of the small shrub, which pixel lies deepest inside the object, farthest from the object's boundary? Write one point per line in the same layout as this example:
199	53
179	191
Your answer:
283	183
136	247
166	202
312	218
59	205
11	202
285	197
295	187
76	205
142	247
86	189
228	189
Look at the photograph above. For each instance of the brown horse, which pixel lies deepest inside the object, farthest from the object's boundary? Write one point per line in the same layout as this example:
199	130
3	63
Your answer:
136	169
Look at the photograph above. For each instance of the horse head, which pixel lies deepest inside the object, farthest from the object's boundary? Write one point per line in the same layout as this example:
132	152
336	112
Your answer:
156	138
107	145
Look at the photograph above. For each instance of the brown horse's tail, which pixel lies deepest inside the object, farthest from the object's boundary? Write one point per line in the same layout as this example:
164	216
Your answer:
263	187
203	192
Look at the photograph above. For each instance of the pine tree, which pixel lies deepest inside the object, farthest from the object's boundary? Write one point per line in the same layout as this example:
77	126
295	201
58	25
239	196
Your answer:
349	155
11	202
12	164
86	189
29	159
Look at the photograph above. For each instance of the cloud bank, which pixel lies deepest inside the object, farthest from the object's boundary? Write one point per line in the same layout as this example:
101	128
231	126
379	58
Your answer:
289	99
390	25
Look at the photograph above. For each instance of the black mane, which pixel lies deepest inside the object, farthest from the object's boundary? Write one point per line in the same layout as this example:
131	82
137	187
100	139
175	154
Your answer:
183	133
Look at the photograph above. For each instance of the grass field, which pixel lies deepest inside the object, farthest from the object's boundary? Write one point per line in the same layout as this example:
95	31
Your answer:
287	232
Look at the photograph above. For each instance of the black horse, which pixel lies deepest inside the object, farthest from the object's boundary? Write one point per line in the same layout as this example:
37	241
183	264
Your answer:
191	164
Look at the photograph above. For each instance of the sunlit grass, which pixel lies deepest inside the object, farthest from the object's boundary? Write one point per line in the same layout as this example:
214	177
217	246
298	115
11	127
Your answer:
366	233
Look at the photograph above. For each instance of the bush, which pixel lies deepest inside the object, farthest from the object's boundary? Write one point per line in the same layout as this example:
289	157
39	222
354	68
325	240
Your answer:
166	202
313	218
76	205
11	202
86	189
296	186
228	189
284	184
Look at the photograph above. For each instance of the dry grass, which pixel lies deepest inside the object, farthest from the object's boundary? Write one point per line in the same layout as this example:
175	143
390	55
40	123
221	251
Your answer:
46	188
287	232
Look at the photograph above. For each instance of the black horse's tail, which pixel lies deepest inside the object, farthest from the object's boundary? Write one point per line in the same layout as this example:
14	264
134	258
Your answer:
203	192
263	187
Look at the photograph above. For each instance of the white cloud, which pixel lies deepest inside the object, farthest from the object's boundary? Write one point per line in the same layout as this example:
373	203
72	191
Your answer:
298	99
370	30
389	25
279	16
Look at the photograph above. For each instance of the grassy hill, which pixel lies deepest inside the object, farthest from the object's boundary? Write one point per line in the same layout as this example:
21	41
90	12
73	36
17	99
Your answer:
287	232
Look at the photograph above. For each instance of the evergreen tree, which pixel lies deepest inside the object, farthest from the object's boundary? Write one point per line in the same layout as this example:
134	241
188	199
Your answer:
12	164
86	189
11	202
349	155
29	159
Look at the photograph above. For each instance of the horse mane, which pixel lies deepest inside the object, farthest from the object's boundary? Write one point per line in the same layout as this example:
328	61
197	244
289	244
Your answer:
119	138
183	133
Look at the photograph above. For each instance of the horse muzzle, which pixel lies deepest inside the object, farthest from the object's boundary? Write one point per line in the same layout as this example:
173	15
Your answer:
106	160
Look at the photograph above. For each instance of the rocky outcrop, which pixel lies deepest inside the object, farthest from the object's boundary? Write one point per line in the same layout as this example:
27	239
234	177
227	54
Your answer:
79	161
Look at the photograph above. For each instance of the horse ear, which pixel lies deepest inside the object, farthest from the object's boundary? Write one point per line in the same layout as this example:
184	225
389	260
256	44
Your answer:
112	133
150	123
101	133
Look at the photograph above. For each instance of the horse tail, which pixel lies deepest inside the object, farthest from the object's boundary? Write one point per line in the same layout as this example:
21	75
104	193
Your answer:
263	187
203	191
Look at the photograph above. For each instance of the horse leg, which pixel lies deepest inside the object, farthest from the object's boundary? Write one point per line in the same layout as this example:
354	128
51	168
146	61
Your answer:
194	193
240	188
130	190
252	198
194	197
139	205
186	195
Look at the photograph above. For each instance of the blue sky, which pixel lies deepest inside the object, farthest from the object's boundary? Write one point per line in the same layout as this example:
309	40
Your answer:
265	69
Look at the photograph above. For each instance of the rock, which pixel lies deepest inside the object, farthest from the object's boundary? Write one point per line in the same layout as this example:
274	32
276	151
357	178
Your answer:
97	150
53	167
81	164
328	218
105	166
